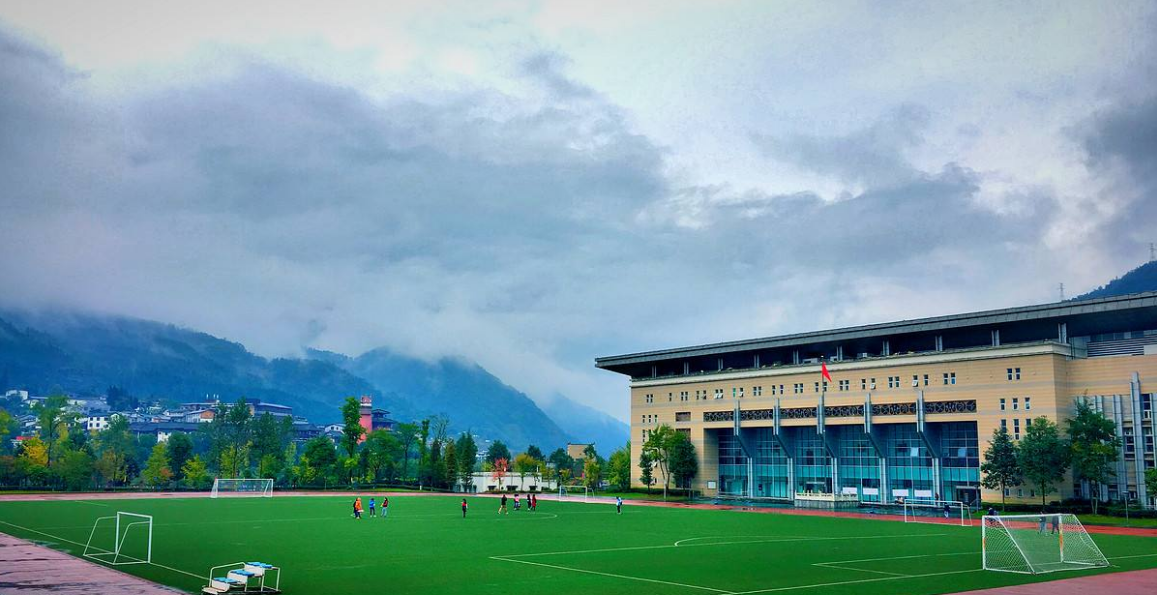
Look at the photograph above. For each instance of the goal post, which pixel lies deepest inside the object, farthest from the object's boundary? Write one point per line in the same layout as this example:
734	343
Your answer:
575	491
1038	543
937	511
126	538
261	488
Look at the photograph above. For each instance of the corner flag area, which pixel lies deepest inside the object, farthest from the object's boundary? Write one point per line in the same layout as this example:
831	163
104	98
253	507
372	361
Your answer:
425	546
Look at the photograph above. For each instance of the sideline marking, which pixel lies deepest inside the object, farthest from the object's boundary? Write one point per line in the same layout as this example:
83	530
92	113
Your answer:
864	580
58	538
787	539
622	576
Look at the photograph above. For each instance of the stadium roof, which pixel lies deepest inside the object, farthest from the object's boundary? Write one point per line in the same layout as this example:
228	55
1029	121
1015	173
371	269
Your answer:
1136	311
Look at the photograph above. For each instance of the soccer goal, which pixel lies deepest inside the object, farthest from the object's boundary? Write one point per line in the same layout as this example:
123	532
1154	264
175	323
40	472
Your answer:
126	538
937	511
242	487
1038	543
574	492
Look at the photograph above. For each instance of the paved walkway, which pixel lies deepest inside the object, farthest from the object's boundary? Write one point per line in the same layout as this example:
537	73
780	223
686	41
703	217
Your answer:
1137	582
30	569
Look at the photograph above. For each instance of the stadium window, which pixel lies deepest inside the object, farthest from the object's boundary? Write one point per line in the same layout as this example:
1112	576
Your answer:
1008	373
925	380
798	388
1016	373
863	384
1004	424
1027	403
670	397
915	379
718	393
1015	403
1002	404
817	387
757	391
845	385
741	392
949	378
781	391
1016	429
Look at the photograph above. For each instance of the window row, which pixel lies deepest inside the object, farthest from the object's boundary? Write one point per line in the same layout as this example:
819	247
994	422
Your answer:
1016	403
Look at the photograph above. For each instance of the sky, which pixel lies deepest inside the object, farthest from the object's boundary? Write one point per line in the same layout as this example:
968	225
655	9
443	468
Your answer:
531	185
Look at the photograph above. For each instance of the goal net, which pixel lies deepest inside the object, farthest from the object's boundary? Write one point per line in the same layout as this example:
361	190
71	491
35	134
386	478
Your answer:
578	491
126	538
242	487
937	511
1038	543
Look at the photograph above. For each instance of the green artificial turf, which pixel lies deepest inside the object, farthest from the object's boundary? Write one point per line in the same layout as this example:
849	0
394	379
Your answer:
426	547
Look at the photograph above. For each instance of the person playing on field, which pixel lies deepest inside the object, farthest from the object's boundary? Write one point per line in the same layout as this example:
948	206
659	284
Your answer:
502	506
385	505
358	510
991	511
619	504
463	508
533	503
516	502
947	508
1041	530
1055	524
372	506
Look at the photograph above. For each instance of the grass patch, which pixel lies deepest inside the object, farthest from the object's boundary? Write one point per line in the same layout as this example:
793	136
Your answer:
425	546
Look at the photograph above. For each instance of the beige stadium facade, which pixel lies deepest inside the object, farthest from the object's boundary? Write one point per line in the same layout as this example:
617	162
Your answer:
911	406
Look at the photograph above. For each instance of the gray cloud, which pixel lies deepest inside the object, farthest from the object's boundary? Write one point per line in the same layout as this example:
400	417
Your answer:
528	234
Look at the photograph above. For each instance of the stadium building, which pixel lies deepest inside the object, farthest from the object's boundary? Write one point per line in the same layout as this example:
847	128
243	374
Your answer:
911	406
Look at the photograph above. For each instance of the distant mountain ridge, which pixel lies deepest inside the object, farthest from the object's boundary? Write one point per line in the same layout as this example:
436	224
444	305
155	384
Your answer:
87	353
1140	279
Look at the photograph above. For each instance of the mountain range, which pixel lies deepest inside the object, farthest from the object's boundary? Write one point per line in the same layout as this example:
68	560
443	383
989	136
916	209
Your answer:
87	353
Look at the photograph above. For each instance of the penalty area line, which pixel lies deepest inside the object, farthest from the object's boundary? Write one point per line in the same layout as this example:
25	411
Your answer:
612	575
855	582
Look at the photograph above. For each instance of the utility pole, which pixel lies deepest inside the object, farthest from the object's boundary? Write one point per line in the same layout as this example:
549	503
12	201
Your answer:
1062	290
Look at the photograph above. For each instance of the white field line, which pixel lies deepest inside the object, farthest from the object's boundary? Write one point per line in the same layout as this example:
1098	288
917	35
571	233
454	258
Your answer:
337	518
90	502
714	544
58	538
622	576
682	541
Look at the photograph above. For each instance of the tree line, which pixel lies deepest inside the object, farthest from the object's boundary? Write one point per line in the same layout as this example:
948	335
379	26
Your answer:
1044	456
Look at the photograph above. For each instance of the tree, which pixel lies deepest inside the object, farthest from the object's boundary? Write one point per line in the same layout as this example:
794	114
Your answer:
592	473
497	450
1043	456
157	472
684	463
1151	482
498	473
196	474
235	459
524	465
54	420
1093	445
407	436
560	461
74	470
646	470
117	449
619	468
467	452
352	432
659	445
450	467
180	451
120	400
5	427
318	459
270	436
535	453
1000	467
35	452
382	449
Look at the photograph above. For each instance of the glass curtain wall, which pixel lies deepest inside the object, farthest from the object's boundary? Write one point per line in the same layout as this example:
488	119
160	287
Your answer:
859	464
813	466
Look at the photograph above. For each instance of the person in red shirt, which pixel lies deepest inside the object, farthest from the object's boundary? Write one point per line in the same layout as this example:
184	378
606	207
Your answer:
463	508
385	506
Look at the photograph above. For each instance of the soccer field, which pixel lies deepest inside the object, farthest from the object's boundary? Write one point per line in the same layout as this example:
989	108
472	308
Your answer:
424	546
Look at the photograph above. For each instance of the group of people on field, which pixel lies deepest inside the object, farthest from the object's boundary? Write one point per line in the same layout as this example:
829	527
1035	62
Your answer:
372	507
531	503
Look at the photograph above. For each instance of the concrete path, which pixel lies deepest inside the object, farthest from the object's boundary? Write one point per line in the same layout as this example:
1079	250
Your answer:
1137	582
30	569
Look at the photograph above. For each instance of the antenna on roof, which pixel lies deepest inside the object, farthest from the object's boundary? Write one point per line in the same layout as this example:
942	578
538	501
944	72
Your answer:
1062	290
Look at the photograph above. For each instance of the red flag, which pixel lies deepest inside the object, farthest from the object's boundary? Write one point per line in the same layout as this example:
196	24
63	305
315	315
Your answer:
824	371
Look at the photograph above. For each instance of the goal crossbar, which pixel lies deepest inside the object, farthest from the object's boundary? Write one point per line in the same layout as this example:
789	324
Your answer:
1038	543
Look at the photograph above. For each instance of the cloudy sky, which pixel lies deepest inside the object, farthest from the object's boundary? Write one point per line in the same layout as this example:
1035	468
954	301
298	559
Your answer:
533	184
